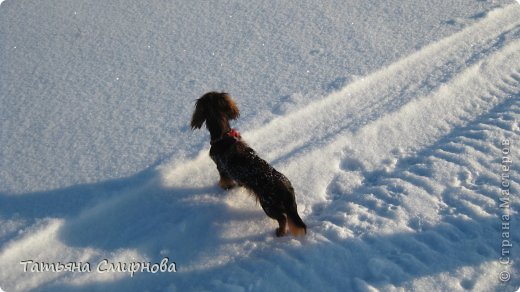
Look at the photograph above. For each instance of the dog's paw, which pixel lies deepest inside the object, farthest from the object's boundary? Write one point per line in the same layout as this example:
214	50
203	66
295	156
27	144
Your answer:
227	184
280	232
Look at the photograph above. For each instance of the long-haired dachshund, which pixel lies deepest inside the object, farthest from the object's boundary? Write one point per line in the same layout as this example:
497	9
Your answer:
238	164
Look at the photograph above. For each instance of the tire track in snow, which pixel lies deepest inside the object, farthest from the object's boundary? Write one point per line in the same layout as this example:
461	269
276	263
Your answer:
388	89
416	125
440	172
447	226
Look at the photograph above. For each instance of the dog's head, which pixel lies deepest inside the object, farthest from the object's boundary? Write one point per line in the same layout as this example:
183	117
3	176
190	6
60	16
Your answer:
213	106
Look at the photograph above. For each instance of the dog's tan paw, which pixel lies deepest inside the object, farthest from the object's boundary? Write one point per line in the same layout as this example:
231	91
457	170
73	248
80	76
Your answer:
280	232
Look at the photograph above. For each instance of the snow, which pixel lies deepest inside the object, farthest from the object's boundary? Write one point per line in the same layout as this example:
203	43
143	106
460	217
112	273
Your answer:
397	124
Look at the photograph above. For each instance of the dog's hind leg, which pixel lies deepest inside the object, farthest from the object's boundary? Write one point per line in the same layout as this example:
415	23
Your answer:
296	225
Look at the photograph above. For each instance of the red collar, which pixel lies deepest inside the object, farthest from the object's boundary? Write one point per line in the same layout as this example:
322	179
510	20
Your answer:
233	133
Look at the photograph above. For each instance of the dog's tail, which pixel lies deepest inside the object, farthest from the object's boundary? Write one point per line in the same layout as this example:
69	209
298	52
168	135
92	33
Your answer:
296	225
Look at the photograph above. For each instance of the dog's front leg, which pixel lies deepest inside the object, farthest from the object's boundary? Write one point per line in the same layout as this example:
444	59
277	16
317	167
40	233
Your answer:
225	181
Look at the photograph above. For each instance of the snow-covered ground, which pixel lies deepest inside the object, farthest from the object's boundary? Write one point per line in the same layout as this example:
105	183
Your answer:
397	123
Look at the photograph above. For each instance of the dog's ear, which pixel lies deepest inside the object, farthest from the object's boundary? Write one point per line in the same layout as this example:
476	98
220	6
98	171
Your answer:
199	115
231	108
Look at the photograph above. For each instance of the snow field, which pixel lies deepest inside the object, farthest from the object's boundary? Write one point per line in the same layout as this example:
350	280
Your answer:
397	175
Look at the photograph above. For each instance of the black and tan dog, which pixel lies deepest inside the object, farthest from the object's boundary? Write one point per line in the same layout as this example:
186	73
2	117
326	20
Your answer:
238	164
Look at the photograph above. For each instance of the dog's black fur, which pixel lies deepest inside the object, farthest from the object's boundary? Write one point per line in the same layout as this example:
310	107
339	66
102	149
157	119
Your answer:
238	164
